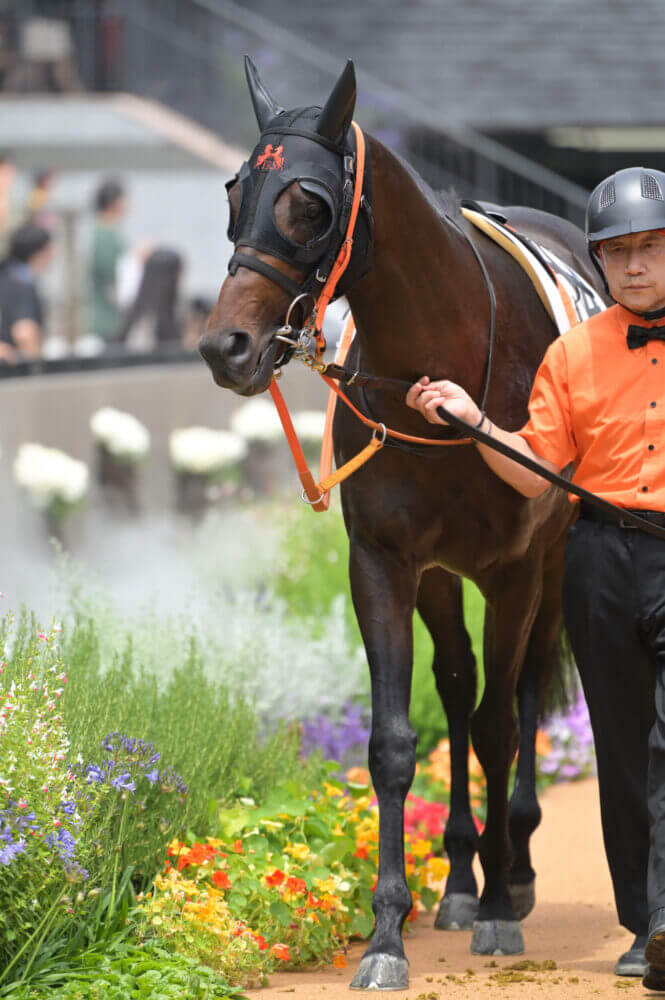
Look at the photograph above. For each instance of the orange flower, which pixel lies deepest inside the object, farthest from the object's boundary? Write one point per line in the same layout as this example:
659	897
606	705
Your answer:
543	745
221	880
339	962
198	854
276	878
281	951
296	885
261	941
362	853
237	847
359	776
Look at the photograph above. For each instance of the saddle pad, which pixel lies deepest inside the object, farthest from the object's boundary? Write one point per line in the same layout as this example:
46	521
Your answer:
567	296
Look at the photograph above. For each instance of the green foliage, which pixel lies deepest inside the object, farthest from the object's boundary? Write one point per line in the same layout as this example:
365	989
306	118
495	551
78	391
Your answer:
284	883
314	571
206	734
124	970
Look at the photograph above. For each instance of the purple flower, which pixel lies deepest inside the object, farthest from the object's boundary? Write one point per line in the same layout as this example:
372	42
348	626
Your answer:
152	776
12	850
336	739
124	782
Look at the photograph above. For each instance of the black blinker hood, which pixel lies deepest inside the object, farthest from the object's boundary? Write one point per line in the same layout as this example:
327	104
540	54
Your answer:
290	149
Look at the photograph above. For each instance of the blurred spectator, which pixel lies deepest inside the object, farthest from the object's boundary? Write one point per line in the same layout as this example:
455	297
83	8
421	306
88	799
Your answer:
153	318
46	59
37	204
7	219
21	310
198	310
106	250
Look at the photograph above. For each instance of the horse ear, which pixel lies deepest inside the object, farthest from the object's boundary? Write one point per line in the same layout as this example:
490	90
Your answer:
338	111
265	107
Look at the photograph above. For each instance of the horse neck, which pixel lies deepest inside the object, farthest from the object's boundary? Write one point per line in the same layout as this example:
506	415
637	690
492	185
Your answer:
423	306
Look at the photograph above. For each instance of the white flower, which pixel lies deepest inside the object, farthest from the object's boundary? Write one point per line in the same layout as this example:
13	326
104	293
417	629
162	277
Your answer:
120	433
49	474
257	420
205	451
309	425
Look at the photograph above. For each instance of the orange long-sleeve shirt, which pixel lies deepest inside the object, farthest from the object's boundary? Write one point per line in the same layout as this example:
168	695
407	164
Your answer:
600	405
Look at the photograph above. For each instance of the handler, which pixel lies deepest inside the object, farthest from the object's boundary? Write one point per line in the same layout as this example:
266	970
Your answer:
598	400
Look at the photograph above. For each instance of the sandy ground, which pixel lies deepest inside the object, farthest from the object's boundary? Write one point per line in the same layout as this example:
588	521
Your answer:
574	924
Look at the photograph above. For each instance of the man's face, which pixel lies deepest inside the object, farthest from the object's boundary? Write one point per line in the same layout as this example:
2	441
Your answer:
635	270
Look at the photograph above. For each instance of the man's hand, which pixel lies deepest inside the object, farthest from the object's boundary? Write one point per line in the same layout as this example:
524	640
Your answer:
426	396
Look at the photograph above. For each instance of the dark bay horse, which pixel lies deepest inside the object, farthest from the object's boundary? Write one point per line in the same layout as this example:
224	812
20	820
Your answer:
418	523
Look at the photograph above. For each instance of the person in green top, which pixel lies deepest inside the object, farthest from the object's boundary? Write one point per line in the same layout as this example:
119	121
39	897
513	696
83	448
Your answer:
106	249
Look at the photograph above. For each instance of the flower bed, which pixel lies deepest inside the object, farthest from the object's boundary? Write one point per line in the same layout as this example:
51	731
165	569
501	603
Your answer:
286	883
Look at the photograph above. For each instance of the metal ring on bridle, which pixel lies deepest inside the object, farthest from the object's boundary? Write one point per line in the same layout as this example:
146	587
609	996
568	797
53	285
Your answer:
305	498
303	295
384	432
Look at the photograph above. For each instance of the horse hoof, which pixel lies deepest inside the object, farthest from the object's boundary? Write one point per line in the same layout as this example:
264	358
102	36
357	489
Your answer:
523	898
457	912
497	937
381	972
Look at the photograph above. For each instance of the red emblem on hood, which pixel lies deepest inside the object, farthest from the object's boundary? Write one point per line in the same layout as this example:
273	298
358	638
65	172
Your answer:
272	158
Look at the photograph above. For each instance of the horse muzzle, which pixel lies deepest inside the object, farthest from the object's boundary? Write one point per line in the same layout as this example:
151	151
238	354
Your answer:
235	363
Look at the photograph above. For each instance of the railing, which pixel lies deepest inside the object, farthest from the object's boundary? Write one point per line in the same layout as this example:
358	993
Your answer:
188	54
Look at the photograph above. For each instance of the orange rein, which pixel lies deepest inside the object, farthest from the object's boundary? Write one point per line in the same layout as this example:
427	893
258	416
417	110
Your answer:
318	494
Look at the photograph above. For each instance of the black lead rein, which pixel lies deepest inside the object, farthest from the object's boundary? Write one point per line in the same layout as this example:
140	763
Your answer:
347	377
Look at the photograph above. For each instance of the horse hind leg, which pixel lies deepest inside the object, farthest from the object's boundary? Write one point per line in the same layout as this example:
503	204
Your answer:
439	603
524	814
510	612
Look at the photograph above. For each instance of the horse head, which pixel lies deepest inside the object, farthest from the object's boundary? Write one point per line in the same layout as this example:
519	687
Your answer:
287	206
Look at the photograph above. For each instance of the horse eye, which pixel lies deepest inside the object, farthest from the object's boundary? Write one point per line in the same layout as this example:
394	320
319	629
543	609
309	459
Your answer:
313	210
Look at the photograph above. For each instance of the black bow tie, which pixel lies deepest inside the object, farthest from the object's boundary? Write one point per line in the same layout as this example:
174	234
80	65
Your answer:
638	336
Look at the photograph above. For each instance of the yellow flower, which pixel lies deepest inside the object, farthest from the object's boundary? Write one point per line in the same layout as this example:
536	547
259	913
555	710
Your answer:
421	848
299	851
331	791
437	869
325	885
214	841
338	831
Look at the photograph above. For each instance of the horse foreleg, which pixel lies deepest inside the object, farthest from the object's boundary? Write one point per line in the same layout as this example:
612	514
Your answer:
440	605
512	603
383	588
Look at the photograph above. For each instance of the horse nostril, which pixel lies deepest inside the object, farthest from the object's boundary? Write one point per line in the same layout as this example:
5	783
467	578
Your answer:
236	348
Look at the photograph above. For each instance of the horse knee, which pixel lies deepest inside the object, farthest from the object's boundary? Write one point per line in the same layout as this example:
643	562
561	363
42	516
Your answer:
392	756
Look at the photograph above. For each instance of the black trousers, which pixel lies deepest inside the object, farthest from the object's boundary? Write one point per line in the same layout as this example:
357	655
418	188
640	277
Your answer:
614	610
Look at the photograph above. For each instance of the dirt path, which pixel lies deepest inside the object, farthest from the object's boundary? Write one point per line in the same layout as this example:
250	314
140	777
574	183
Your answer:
574	924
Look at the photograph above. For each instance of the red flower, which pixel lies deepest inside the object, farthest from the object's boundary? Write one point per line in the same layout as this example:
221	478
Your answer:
196	855
237	847
261	941
221	880
296	885
276	878
281	951
362	853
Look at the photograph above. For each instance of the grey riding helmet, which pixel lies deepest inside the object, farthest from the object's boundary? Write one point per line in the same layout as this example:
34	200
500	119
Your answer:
630	201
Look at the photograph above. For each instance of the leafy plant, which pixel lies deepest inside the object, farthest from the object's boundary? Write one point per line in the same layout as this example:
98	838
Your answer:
286	882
